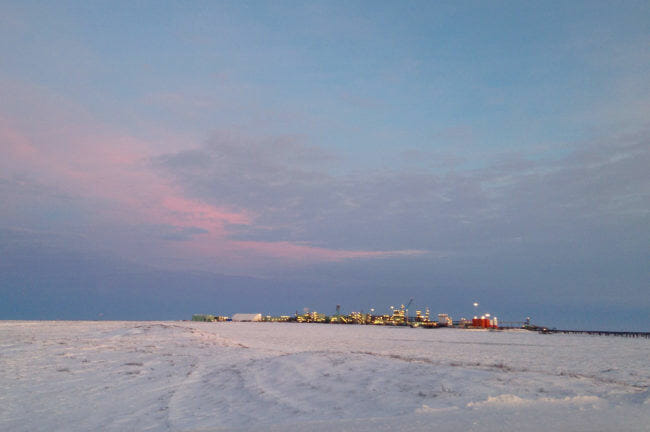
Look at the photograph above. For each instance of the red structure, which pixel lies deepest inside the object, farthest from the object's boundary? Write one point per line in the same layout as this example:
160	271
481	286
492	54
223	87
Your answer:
483	323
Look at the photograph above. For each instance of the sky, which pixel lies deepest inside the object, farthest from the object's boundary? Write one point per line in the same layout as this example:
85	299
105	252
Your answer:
164	157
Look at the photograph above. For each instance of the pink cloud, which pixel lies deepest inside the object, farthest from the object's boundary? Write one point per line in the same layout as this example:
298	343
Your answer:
110	168
90	161
305	252
245	253
14	144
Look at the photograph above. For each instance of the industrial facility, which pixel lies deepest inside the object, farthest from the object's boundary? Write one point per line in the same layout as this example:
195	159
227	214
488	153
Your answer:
398	316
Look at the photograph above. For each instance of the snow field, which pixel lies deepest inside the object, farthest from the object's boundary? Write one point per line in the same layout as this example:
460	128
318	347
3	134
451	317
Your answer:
184	376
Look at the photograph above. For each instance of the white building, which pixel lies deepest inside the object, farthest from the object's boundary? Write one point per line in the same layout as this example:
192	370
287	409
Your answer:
247	317
444	320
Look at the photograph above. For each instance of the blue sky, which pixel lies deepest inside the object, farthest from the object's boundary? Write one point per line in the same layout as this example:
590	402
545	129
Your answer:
397	148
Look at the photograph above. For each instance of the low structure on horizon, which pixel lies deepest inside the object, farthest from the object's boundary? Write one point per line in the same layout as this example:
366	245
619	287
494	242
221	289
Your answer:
247	317
209	318
399	316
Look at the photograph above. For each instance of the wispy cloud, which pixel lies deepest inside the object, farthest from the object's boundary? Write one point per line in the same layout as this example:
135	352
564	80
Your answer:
117	182
392	210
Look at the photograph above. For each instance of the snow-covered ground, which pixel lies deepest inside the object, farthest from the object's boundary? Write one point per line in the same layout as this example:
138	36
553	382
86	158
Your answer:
184	376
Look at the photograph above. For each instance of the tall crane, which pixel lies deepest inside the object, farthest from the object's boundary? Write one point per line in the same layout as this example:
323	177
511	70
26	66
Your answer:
406	312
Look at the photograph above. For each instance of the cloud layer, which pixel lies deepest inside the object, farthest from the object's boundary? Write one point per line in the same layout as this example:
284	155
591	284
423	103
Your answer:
439	150
296	195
